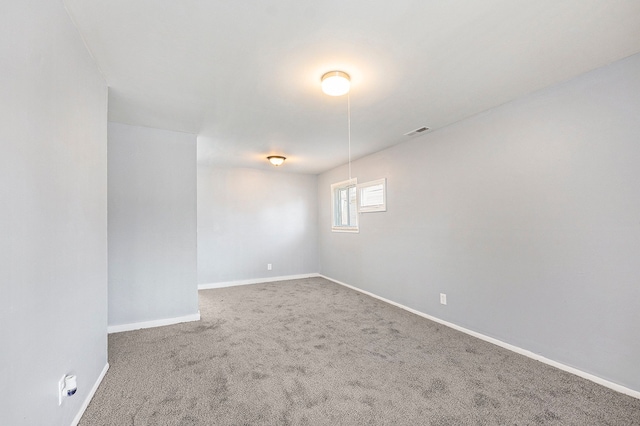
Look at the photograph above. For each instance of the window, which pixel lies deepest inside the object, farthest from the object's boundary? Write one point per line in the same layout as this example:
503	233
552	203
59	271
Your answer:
372	196
344	206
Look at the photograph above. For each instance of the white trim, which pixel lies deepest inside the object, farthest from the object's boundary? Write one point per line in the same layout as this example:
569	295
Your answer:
92	392
150	324
516	349
255	281
347	229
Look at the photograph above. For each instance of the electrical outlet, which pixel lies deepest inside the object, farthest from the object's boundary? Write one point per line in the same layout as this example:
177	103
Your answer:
268	266
443	299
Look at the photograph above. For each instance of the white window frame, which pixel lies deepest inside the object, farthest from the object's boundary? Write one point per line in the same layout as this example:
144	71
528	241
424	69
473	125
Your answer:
365	204
335	226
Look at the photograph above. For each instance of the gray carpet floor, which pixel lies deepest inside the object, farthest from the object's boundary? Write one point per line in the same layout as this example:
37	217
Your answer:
311	352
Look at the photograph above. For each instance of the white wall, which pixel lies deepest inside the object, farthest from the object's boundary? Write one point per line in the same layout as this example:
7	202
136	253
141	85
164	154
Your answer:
248	218
53	220
152	225
526	216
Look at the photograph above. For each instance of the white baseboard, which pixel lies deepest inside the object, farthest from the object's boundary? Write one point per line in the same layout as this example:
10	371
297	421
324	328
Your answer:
516	349
151	324
255	281
92	392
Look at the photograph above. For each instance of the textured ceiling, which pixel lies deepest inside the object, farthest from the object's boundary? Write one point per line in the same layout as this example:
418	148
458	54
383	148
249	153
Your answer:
245	74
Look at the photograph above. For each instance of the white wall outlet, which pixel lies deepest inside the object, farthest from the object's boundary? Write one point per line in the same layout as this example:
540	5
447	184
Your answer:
67	386
443	299
268	266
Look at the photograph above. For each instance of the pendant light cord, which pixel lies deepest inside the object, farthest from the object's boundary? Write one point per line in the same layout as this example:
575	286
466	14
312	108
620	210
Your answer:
349	125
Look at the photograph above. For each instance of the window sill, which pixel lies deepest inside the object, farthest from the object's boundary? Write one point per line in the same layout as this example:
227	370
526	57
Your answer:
345	229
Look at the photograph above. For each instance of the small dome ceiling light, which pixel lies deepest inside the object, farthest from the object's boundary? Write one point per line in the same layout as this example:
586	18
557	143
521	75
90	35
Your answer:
276	160
336	83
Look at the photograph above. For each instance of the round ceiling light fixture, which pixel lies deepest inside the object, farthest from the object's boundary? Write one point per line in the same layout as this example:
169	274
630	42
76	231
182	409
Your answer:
276	160
336	83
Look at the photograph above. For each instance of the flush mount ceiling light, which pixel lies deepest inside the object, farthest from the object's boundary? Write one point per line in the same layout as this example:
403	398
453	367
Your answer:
276	160
336	83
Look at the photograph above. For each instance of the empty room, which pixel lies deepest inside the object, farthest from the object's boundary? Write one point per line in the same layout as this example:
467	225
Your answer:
320	213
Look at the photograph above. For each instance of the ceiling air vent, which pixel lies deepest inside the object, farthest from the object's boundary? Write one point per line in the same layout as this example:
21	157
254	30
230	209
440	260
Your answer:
417	131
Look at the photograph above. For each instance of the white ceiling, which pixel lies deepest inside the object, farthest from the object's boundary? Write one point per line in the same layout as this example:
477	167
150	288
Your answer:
245	74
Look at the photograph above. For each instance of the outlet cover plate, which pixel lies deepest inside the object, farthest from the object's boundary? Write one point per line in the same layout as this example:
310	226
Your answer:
60	389
443	299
